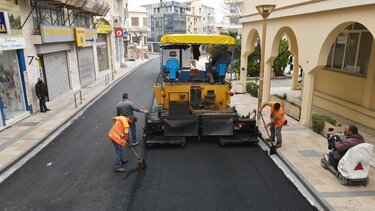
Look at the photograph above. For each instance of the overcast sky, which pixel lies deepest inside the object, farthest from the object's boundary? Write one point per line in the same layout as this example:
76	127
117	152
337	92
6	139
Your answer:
217	4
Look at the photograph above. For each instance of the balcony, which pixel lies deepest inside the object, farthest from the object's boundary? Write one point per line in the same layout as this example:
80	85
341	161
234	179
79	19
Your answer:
95	7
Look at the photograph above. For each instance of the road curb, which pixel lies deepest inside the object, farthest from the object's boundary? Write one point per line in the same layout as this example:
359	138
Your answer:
320	199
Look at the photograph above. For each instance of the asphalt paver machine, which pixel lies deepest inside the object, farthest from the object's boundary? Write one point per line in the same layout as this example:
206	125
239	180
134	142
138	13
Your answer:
193	100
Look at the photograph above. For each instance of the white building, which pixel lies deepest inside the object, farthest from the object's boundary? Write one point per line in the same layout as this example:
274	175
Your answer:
68	49
194	17
231	19
208	24
138	28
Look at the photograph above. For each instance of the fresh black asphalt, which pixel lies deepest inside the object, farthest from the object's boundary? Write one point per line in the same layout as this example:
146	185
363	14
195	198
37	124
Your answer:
75	171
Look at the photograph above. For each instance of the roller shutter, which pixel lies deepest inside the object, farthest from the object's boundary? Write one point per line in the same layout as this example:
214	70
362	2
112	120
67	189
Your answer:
57	78
86	65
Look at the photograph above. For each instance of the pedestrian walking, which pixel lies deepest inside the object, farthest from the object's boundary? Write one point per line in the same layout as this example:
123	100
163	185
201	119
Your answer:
41	92
119	135
126	108
277	121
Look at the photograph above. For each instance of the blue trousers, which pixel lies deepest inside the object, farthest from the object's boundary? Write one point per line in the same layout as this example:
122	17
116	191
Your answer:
133	133
276	132
119	153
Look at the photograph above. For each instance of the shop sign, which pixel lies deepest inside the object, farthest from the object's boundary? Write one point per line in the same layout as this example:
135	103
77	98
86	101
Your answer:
119	32
4	23
80	36
104	28
91	34
12	43
52	34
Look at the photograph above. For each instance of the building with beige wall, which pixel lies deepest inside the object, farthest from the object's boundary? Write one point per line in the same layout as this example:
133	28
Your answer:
333	41
194	17
56	43
138	28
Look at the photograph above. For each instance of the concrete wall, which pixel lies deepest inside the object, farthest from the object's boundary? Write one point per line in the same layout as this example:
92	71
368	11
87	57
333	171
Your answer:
344	86
250	5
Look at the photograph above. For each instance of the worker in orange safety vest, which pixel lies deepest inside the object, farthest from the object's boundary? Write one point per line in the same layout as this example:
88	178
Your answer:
277	121
119	135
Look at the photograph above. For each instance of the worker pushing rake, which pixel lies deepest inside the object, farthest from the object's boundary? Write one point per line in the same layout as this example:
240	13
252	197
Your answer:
276	124
119	135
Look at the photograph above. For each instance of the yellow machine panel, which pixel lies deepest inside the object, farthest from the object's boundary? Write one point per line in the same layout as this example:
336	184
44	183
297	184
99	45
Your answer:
214	97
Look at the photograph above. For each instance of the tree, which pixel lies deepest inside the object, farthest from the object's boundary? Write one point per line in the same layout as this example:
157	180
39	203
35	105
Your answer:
253	62
281	60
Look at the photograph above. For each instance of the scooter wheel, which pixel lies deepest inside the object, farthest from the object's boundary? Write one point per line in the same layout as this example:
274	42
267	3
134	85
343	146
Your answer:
367	180
342	180
324	163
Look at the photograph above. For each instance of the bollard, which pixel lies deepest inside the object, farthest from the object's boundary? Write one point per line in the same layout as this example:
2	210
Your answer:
75	98
107	79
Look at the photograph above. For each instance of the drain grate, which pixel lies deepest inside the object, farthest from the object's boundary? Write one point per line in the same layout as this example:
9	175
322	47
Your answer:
27	123
309	153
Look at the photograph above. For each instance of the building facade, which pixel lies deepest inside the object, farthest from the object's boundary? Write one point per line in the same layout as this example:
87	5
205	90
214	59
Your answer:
194	17
332	41
234	10
165	18
138	31
118	15
13	97
208	24
54	40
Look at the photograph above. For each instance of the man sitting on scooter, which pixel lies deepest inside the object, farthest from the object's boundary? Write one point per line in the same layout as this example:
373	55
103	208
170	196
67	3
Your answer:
352	138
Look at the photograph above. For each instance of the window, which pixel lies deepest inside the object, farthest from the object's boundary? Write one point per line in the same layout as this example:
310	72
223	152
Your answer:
144	22
135	21
351	50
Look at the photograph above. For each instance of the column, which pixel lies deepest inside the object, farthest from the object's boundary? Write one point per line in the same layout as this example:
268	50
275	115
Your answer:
307	98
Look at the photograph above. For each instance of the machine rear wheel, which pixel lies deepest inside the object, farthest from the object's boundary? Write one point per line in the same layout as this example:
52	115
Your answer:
342	180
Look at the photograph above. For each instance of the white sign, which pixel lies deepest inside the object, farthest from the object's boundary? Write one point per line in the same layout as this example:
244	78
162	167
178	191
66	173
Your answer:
11	43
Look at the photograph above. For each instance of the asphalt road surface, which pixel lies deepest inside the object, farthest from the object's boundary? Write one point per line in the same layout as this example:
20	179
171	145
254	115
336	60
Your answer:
201	176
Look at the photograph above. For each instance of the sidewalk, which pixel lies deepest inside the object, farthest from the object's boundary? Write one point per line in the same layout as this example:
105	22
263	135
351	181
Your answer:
22	137
302	150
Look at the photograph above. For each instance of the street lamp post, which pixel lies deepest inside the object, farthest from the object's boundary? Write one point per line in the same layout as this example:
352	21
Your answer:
264	11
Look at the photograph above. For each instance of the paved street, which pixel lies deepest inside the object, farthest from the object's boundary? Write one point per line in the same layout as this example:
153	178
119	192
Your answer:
74	172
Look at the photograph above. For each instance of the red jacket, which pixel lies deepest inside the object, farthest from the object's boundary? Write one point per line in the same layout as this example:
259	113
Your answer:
351	141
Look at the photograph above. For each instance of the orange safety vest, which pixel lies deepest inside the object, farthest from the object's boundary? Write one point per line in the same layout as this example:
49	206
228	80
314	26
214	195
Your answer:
117	132
277	116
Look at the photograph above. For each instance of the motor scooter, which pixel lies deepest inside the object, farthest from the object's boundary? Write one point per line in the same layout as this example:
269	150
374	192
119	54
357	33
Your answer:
353	167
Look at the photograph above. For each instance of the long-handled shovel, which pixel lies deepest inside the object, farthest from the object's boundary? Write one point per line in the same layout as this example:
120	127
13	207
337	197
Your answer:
141	162
273	147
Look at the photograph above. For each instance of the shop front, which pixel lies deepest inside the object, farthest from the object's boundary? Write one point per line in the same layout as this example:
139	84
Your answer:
104	30
12	98
13	103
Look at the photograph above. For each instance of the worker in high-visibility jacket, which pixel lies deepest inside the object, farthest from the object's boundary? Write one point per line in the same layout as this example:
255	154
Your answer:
119	135
277	121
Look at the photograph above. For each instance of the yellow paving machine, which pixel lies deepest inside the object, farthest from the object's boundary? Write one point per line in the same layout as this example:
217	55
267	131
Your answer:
192	98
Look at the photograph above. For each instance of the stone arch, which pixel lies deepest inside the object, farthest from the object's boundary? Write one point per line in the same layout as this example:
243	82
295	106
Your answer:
292	41
248	47
293	48
251	39
327	44
357	97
